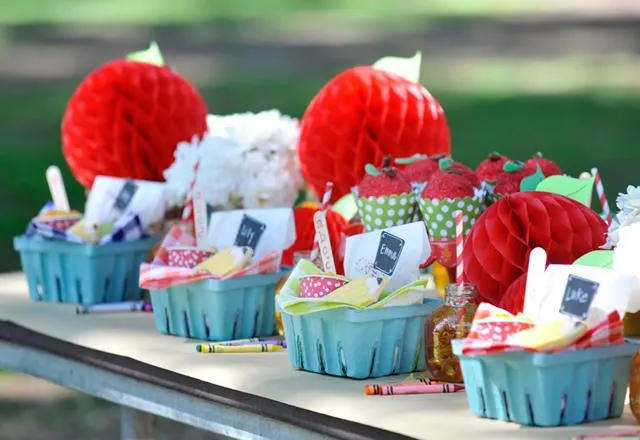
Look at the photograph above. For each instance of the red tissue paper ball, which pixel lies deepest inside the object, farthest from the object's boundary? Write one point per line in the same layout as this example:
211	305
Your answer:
496	252
126	118
305	234
513	299
360	116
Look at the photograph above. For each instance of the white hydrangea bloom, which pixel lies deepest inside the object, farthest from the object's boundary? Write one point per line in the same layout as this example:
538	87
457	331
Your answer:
628	214
247	160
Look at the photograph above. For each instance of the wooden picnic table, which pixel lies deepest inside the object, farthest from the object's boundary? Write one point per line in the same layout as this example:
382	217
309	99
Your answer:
123	359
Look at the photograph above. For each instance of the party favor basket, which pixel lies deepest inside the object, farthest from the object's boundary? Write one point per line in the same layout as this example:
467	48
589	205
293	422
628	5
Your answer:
59	271
359	343
217	310
548	389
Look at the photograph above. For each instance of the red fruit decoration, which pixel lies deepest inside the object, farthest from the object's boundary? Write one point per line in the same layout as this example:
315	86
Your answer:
305	233
126	118
450	183
497	250
491	167
360	116
419	168
548	167
508	181
384	182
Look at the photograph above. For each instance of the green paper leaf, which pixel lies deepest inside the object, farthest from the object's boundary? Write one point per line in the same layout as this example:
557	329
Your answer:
599	258
408	68
346	207
149	56
445	163
576	189
530	183
371	170
512	166
412	159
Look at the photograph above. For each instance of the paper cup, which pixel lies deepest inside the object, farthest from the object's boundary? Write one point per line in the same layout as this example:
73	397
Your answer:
317	286
385	212
59	222
438	215
187	256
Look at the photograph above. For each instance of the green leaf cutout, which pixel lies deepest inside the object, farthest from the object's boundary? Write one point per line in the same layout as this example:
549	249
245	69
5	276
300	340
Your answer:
407	68
599	258
412	159
512	166
346	206
371	170
149	56
445	162
530	183
577	189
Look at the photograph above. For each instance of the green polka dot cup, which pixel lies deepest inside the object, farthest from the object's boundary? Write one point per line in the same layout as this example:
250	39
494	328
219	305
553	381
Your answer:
439	219
385	212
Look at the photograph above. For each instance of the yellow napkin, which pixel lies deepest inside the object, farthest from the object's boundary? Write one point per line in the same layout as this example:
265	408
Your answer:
227	261
551	336
91	231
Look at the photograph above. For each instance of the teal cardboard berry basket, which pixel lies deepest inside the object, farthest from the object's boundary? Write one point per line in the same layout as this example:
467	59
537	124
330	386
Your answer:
218	310
548	389
63	272
359	344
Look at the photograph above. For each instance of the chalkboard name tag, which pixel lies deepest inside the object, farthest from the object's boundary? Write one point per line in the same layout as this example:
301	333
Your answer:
578	296
125	196
389	250
249	232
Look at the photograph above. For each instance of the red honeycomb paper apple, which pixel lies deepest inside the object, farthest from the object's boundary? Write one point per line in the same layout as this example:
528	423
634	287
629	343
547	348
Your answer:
360	116
496	252
126	118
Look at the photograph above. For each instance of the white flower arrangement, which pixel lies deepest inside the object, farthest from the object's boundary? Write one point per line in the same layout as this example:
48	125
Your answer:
247	160
629	213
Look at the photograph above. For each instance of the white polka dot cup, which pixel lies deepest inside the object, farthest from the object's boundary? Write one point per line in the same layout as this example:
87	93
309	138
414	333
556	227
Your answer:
317	286
384	212
188	257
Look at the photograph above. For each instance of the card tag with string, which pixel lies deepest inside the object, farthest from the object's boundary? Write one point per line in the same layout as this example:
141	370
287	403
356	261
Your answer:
324	243
57	189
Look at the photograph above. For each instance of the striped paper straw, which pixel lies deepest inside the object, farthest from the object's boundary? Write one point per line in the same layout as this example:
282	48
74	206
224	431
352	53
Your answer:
325	204
187	212
601	195
459	242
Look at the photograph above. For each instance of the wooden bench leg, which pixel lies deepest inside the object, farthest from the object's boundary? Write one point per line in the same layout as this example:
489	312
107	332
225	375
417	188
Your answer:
136	425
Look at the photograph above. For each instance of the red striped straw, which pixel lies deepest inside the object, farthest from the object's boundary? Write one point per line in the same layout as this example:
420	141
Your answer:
325	204
601	195
187	212
459	242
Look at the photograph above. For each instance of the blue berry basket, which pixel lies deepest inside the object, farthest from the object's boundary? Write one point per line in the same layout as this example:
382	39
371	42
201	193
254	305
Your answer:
63	272
554	389
359	343
218	310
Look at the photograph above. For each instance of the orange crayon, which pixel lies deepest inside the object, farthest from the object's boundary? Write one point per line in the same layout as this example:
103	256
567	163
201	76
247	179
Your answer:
411	388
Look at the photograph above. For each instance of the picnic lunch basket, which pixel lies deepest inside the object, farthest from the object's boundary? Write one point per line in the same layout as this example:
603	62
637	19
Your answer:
548	389
218	310
359	343
64	272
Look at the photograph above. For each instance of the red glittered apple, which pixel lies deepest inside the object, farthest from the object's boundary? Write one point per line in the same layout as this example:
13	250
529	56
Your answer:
126	118
496	252
360	116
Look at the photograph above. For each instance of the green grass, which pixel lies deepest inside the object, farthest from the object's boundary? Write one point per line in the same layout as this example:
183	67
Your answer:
192	11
